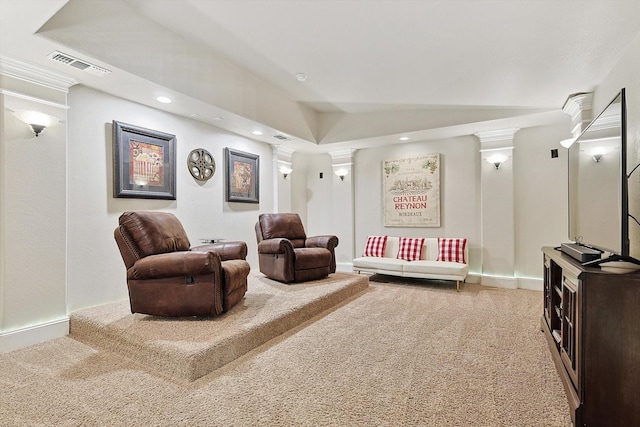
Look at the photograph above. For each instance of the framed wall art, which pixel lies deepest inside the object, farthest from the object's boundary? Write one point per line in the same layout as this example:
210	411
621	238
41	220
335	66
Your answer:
411	191
144	163
242	176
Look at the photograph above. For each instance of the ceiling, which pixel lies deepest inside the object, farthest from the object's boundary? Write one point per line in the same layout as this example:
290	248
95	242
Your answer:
376	70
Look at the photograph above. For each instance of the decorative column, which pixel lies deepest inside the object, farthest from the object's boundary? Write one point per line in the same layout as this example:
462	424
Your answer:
578	106
282	176
33	206
498	230
343	206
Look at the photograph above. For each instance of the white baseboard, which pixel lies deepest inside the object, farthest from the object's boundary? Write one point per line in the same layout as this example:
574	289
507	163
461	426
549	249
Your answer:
530	284
473	278
20	338
345	267
499	282
513	282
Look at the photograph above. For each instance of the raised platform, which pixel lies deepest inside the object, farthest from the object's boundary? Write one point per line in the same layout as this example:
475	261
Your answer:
189	348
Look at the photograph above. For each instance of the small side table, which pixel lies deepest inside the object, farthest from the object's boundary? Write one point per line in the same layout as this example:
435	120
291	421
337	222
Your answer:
211	240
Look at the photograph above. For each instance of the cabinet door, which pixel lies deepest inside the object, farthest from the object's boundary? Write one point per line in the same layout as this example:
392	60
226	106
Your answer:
553	298
569	343
548	306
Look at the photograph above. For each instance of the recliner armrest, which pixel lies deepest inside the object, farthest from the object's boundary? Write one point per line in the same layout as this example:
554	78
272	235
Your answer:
175	264
328	242
226	250
278	245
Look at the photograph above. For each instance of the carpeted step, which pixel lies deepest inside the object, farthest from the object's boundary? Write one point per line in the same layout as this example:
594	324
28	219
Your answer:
189	348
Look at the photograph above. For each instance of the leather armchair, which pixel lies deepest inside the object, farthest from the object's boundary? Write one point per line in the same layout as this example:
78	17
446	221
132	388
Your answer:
286	254
166	277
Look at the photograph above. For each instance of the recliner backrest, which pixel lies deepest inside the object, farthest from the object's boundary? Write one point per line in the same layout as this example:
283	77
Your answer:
286	225
150	233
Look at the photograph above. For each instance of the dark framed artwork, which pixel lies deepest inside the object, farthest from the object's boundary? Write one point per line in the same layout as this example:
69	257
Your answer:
144	163
242	176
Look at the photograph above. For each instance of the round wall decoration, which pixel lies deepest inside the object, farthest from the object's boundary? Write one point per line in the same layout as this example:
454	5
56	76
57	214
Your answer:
201	164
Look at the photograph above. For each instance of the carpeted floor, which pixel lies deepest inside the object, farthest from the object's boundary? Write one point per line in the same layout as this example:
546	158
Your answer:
414	353
188	348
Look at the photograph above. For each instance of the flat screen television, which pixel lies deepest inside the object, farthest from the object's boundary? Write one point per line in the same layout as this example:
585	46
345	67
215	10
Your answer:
598	196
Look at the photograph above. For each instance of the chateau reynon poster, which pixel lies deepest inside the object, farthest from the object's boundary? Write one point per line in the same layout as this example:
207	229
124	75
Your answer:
412	191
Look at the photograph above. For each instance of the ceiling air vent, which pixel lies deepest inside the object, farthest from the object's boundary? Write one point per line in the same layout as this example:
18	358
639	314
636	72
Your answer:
63	58
282	138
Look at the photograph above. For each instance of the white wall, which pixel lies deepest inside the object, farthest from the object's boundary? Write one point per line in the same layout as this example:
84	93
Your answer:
540	195
497	218
539	203
459	193
324	204
57	252
32	216
626	74
96	273
299	185
319	194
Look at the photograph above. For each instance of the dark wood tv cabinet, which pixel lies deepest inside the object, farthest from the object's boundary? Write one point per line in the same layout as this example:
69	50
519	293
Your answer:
592	324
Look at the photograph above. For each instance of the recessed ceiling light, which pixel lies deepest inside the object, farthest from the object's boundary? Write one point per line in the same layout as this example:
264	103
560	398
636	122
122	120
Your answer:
257	132
404	138
302	77
164	99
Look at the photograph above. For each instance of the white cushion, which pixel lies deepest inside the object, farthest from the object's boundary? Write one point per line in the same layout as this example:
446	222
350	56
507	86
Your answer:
377	263
430	251
391	249
436	268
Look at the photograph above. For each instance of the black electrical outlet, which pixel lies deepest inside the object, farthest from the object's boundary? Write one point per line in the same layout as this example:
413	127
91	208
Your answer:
321	175
554	153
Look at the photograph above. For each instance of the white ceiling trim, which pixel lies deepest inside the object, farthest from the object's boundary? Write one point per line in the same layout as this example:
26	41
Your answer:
21	70
33	99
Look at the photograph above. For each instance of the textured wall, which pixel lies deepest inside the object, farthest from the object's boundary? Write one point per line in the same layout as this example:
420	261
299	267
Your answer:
626	74
96	273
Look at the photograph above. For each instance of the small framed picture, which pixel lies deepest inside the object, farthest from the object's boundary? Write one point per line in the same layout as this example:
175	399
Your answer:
242	176
144	163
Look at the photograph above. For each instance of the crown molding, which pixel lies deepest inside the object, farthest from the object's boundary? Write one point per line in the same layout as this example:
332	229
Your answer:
33	99
497	135
577	104
345	156
36	74
282	153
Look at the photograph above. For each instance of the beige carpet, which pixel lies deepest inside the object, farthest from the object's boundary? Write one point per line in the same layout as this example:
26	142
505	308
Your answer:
401	354
188	348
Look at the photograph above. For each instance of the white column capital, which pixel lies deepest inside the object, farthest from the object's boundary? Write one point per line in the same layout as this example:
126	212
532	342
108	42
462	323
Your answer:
282	153
342	156
578	102
499	135
578	107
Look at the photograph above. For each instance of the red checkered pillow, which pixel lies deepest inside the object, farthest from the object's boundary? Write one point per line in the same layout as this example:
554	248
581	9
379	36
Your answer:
451	250
375	246
410	248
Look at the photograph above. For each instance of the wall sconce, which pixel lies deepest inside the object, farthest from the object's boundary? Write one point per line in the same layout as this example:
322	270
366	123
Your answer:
598	152
342	173
36	120
285	171
497	160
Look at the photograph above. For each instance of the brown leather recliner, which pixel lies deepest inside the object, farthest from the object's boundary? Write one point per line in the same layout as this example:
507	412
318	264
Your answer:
166	277
286	254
